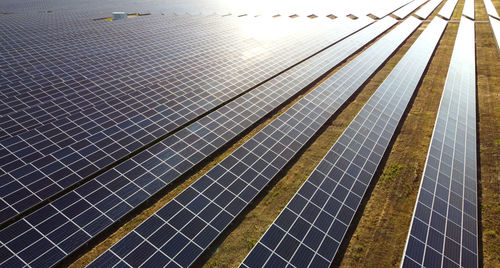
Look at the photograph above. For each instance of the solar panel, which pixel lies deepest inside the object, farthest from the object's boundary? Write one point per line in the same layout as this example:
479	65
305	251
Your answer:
85	95
309	231
97	9
193	219
95	205
60	99
130	58
36	67
495	27
444	228
36	170
447	9
469	9
490	9
408	9
427	9
38	118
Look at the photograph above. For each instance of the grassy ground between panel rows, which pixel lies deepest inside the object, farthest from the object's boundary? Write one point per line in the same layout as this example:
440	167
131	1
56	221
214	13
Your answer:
488	85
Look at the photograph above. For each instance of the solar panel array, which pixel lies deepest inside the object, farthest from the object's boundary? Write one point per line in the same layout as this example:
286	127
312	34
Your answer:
47	55
309	231
490	9
38	164
96	7
444	229
447	10
97	117
94	206
220	49
469	9
108	56
285	8
427	9
183	229
408	9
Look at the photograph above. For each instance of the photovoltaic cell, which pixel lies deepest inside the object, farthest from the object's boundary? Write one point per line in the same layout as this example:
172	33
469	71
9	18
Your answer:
469	9
37	168
95	205
447	9
427	9
315	221
444	228
200	213
408	9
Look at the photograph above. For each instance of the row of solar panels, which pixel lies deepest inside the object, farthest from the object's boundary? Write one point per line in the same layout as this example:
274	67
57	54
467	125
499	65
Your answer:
309	231
226	189
95	8
111	196
444	227
299	236
99	68
191	221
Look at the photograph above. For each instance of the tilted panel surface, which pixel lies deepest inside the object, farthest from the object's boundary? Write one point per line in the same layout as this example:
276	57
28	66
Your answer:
309	231
35	173
444	228
94	206
469	10
195	218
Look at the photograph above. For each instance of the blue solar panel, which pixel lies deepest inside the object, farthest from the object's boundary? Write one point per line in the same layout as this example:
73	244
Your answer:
313	224
444	228
40	163
200	213
95	205
97	117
